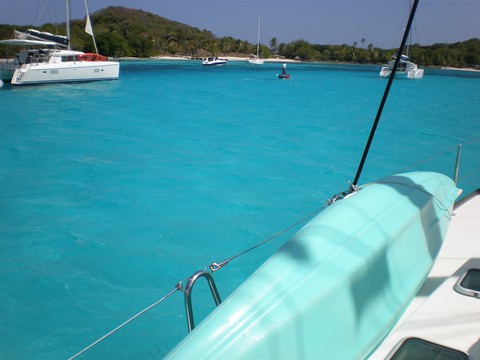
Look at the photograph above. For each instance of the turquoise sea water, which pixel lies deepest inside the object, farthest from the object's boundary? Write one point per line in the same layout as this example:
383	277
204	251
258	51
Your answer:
113	192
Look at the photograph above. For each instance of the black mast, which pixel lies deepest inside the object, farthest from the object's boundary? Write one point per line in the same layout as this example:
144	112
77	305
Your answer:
353	186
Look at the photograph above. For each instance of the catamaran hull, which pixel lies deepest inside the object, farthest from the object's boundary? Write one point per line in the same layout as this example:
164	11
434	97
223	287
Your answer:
410	74
407	69
74	71
7	70
339	285
255	61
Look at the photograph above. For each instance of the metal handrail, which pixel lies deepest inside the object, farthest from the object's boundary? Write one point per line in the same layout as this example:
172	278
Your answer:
188	294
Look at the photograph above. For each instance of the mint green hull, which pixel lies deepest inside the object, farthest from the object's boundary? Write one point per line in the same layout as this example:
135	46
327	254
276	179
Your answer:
338	286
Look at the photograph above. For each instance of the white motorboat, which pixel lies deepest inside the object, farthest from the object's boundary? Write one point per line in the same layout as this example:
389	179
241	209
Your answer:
255	59
61	65
214	61
405	68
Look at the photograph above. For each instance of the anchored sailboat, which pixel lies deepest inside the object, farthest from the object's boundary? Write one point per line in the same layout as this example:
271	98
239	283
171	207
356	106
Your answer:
255	59
64	65
405	67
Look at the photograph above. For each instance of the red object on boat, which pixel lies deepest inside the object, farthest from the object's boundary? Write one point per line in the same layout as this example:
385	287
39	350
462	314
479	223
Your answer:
92	57
283	76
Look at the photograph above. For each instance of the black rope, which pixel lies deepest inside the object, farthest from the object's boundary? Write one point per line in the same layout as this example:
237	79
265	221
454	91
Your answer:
385	96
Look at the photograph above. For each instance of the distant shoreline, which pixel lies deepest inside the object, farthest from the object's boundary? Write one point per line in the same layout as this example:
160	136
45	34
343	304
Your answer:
460	69
268	60
186	58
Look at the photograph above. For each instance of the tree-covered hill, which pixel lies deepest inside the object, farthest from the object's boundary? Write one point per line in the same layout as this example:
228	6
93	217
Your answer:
123	32
126	32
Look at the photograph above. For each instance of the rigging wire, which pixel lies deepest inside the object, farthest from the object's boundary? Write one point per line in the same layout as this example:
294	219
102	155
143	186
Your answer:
217	266
36	12
40	12
429	159
451	150
177	287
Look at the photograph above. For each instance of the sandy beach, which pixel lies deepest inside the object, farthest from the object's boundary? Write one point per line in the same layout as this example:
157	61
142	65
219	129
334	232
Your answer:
461	69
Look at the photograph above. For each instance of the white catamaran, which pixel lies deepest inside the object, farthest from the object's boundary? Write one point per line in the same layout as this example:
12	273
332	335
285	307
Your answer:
405	68
54	61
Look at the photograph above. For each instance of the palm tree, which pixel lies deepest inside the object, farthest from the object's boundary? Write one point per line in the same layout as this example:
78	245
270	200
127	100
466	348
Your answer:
274	44
363	42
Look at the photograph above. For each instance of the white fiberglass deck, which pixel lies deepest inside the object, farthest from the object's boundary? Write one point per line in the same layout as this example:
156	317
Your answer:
438	313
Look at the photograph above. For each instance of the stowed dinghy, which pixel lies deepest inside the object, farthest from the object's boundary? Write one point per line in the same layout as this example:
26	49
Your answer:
338	286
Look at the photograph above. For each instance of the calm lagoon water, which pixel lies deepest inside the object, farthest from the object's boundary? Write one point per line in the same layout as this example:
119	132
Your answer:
113	192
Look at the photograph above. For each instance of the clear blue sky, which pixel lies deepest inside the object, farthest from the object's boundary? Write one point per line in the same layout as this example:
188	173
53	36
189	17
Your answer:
379	22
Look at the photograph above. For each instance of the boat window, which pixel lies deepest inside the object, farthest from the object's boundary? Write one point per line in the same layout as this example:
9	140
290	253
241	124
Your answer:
469	283
416	349
68	58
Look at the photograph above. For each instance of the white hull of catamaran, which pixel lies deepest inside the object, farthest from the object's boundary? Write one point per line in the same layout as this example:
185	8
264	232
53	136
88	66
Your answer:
71	71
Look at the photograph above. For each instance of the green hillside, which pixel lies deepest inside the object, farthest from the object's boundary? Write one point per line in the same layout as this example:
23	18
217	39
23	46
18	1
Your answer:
123	32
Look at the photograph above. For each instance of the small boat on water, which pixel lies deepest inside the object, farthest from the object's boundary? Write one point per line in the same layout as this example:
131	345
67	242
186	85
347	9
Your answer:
405	68
283	76
214	61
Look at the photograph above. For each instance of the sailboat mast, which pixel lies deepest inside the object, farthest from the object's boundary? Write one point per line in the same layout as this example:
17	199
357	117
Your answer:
258	38
67	13
409	33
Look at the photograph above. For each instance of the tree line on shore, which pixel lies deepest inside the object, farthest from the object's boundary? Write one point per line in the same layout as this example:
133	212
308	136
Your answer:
123	32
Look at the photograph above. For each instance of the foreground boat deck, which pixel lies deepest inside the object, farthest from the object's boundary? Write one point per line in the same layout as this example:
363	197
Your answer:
438	313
